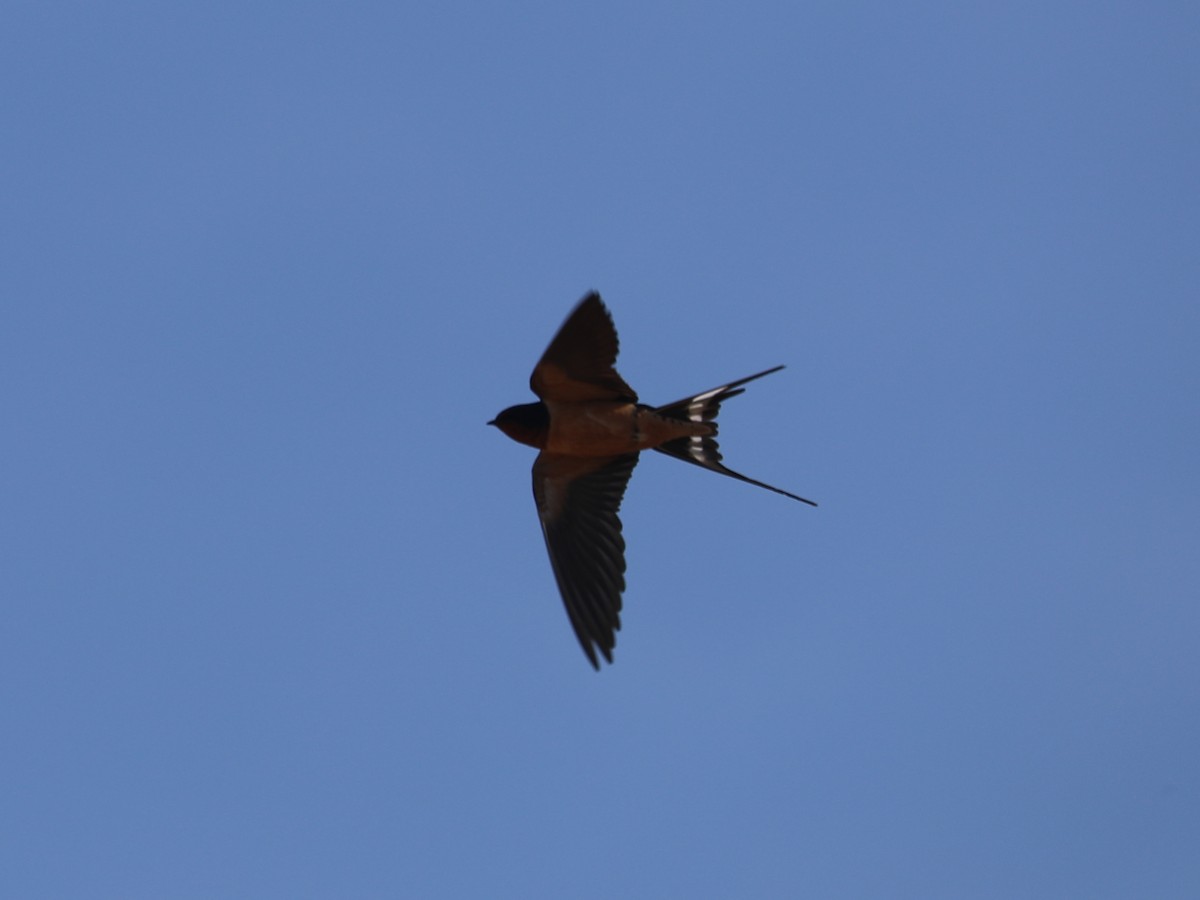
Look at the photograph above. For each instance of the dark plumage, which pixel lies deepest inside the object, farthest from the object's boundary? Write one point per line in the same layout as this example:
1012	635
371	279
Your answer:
590	429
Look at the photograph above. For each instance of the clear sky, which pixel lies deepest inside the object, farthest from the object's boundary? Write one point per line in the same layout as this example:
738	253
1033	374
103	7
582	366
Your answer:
276	617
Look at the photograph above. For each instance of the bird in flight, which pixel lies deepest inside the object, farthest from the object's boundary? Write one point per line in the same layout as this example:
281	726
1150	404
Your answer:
590	428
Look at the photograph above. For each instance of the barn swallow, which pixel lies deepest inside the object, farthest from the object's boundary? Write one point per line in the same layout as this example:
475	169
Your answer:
590	428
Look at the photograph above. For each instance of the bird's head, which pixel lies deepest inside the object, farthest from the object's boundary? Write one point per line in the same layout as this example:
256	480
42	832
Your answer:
526	423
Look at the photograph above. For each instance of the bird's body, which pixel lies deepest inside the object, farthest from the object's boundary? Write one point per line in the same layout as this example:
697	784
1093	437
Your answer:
597	428
590	429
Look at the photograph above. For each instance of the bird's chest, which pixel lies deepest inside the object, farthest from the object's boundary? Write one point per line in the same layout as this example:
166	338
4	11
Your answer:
594	428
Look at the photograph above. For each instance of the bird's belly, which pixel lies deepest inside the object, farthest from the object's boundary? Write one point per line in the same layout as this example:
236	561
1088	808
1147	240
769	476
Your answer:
593	429
608	429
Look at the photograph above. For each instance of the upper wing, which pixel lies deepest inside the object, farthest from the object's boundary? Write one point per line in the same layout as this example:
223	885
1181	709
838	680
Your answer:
579	363
578	500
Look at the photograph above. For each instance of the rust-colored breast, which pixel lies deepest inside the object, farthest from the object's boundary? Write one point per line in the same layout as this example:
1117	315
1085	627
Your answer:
598	428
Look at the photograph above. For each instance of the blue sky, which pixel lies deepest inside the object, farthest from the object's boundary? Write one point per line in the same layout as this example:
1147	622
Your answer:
277	620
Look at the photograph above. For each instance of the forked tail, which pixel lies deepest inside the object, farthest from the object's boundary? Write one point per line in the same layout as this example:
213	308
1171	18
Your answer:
701	450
